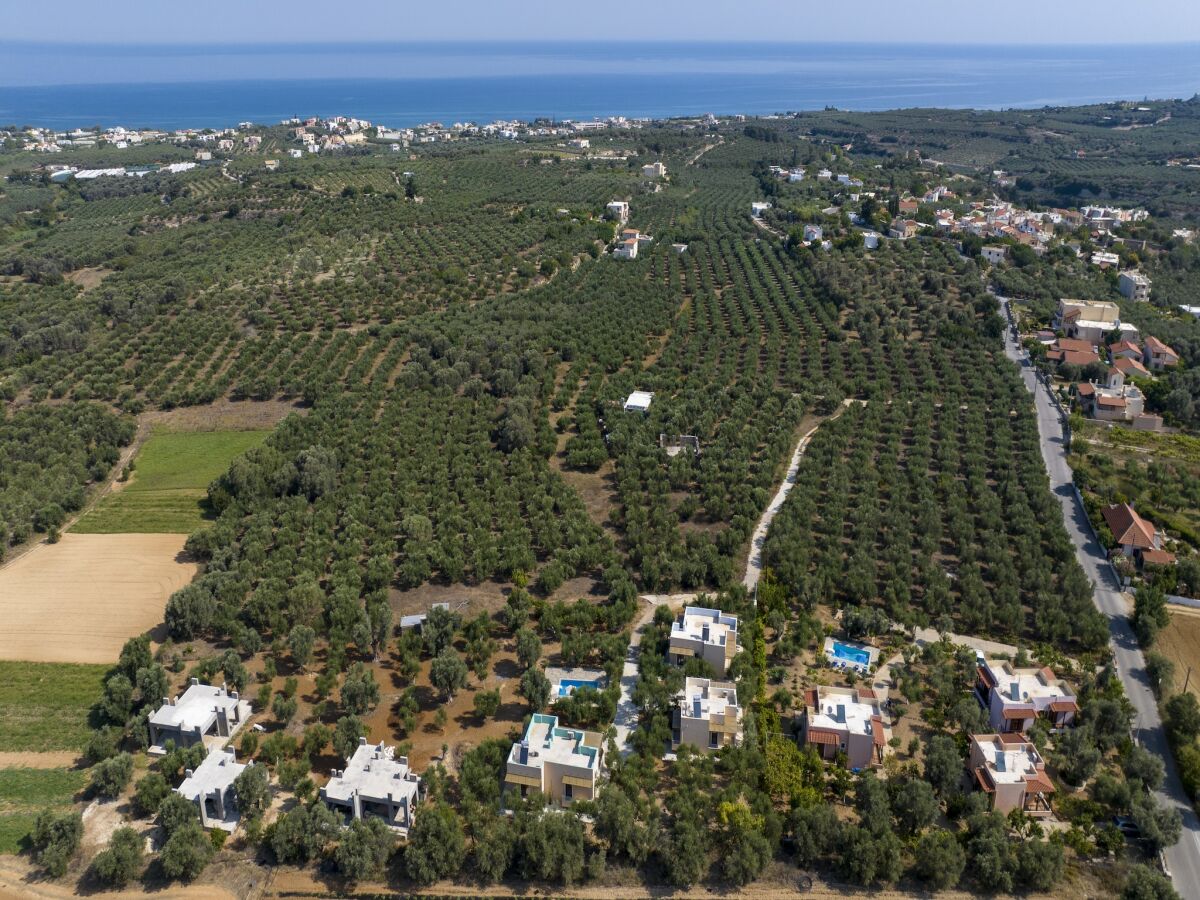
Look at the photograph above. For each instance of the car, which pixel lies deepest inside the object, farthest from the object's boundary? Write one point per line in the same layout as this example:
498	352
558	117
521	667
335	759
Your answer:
1127	826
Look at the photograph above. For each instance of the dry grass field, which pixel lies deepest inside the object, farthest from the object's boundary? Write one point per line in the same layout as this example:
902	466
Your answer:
1180	643
80	599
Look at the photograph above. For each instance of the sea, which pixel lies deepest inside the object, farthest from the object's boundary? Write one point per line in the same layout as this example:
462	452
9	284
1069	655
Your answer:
199	86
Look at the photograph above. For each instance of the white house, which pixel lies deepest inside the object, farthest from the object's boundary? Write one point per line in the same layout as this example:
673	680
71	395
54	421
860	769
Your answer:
994	254
654	170
375	784
210	787
638	401
706	715
707	634
758	207
1014	697
1134	286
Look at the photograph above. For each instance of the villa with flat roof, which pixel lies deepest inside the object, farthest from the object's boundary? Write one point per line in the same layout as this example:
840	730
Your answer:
563	763
1015	697
201	711
210	787
1009	769
375	784
705	633
706	715
844	720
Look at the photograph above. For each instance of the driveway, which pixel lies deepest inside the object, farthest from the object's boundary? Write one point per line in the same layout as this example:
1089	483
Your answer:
1183	860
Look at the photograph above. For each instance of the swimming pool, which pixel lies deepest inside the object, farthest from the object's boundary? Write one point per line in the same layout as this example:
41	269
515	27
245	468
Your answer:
851	654
569	685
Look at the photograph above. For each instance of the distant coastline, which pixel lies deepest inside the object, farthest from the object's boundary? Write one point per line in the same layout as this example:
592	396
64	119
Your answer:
403	85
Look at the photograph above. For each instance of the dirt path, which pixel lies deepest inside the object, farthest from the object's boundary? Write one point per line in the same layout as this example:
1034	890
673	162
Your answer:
21	881
626	718
699	153
97	494
759	538
767	228
50	759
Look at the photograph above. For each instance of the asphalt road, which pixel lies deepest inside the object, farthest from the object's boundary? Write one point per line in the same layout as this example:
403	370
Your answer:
1183	860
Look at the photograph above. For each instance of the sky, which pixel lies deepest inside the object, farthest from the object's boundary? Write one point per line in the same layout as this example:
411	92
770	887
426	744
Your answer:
284	21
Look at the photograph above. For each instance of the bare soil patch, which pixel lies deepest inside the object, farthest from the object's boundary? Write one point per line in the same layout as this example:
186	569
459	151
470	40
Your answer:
466	599
224	415
79	600
88	277
48	759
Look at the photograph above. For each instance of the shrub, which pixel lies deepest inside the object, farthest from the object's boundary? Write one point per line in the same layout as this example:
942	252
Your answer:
121	861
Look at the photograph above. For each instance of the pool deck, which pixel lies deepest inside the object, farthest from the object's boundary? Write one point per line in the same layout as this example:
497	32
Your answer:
872	652
556	675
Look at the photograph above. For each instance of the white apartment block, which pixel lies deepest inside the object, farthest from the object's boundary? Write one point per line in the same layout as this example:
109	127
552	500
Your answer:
707	715
707	634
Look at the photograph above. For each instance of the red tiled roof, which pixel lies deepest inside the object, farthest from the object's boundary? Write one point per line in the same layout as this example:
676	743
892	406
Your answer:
877	731
1128	527
1011	737
1073	357
1018	712
1154	345
866	694
985	675
1063	705
1039	783
1125	346
1127	366
821	736
1085	389
1158	557
810	697
1075	344
1114	402
984	777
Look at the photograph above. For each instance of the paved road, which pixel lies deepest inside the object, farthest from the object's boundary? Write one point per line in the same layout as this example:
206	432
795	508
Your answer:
1183	859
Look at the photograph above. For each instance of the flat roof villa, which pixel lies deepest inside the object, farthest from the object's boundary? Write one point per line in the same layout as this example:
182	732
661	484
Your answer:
844	720
1015	697
563	763
1009	769
708	634
707	715
210	787
375	784
201	711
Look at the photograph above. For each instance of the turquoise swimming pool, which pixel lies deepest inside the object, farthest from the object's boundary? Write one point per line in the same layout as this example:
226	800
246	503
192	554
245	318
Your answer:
851	654
568	685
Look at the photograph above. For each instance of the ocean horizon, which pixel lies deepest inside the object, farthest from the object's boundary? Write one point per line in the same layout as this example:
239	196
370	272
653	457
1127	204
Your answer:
180	86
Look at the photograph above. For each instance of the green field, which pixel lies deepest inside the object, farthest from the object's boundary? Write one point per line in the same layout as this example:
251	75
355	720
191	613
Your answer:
167	491
44	706
25	792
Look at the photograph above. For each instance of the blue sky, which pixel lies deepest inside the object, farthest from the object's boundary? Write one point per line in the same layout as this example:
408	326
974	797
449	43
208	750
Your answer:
931	21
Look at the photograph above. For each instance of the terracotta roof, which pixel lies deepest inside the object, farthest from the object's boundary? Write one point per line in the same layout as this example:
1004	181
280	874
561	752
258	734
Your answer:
1114	402
984	777
1011	737
821	736
1128	527
1075	344
1046	674
1125	346
1073	357
1018	712
1085	389
1040	783
877	731
1158	557
1127	366
1063	705
866	694
1154	345
985	675
810	697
